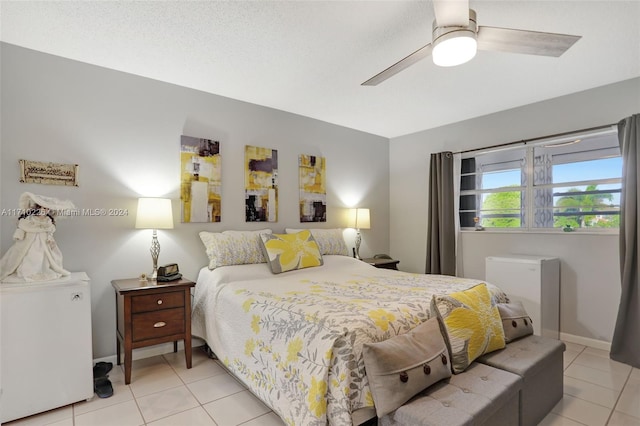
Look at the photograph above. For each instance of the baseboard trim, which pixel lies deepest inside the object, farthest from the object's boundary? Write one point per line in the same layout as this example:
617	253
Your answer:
151	351
586	341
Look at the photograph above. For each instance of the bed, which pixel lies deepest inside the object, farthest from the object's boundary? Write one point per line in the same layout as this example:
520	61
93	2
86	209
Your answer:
295	339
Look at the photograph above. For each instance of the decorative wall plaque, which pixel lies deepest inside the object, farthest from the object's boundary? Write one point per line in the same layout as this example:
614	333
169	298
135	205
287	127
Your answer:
48	173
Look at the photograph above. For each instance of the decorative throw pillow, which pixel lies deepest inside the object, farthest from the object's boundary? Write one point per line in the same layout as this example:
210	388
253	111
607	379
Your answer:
287	252
472	324
516	323
403	366
233	247
330	241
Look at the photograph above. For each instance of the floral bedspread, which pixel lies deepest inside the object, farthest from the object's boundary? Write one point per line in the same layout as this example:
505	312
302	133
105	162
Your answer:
296	339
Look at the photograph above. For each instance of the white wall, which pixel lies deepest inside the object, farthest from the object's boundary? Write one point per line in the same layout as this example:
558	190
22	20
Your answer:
590	287
124	132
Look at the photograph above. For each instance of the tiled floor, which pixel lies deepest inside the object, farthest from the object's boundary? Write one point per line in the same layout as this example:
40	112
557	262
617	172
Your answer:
163	392
597	391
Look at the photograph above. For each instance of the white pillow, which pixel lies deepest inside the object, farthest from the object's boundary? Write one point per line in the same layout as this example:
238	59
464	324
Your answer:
233	247
330	241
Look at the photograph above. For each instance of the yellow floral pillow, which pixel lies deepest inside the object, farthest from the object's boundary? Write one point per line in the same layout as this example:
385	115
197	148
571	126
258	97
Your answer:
287	252
472	324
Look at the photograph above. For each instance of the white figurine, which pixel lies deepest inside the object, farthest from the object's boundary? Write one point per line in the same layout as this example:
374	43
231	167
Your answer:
35	256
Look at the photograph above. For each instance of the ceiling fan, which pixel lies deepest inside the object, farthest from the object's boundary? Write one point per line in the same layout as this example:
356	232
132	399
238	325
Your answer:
456	37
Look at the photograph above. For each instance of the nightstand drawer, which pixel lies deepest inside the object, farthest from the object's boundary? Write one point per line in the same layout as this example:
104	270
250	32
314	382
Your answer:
152	325
154	302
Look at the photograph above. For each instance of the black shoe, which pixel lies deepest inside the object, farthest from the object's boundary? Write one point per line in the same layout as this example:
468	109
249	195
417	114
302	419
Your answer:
101	369
102	387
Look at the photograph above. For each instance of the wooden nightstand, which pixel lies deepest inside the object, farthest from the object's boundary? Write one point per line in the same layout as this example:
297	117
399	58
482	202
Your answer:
382	262
149	313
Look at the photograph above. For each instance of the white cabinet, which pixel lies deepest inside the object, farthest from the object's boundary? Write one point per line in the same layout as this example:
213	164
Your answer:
46	353
534	281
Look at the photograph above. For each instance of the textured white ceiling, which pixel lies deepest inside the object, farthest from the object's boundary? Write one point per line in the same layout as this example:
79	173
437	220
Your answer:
309	57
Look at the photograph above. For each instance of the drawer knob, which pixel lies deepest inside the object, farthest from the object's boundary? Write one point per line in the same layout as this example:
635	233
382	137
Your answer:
160	302
159	324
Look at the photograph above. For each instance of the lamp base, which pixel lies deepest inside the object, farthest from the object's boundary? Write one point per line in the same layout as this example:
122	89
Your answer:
358	241
155	252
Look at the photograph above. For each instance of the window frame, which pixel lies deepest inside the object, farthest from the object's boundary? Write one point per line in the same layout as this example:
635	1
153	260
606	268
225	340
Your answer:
528	208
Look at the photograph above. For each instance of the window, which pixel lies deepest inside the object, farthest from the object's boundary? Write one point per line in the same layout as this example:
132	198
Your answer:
567	183
492	188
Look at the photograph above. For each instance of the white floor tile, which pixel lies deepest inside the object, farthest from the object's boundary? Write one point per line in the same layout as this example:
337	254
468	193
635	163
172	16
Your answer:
602	363
215	387
166	403
590	392
154	378
121	393
194	417
141	364
270	419
212	397
621	419
123	414
201	366
629	402
598	352
145	365
553	419
607	379
582	411
65	422
236	409
574	347
568	357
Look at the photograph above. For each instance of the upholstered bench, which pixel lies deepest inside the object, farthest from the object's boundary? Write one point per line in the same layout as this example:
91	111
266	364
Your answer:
538	361
482	395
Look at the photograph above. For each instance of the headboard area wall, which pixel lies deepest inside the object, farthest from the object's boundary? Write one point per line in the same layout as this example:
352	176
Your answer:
124	133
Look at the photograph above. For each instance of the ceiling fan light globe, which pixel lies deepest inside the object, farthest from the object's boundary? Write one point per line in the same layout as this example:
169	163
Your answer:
454	49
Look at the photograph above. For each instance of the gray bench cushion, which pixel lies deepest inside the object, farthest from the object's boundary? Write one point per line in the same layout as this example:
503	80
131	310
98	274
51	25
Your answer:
481	395
538	360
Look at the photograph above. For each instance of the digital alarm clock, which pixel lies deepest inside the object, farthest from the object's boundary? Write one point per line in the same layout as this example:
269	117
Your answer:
169	272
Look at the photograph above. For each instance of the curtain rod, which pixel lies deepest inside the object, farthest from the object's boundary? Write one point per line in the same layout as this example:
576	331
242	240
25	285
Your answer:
525	141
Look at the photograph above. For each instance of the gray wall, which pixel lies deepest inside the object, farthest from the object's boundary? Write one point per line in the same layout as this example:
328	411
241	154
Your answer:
124	132
590	287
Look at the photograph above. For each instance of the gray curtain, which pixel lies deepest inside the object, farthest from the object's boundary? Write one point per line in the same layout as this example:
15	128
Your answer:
625	346
441	233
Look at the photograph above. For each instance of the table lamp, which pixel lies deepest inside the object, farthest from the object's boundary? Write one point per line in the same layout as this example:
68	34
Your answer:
154	213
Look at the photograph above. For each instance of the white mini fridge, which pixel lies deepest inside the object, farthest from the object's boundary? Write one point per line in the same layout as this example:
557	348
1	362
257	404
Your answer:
534	281
45	347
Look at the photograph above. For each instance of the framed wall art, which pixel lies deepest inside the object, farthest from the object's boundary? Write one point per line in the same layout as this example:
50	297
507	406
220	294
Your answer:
313	193
200	180
261	184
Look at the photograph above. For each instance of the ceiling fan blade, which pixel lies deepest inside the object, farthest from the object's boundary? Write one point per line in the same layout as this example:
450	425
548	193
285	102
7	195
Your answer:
451	12
522	41
394	69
